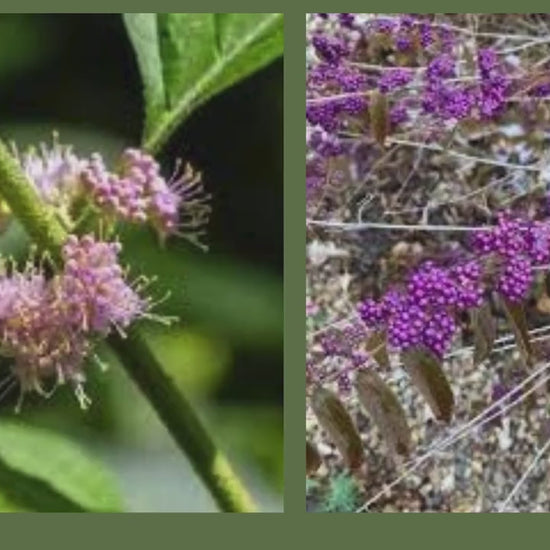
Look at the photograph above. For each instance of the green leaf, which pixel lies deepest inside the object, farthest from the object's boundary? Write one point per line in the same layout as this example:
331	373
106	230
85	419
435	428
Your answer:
186	58
425	371
8	504
338	425
44	471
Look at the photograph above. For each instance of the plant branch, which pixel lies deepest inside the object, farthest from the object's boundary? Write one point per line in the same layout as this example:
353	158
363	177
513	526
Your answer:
39	222
348	226
137	359
182	422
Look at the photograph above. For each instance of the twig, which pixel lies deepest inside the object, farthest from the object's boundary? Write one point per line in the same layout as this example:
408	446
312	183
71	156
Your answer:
345	226
450	152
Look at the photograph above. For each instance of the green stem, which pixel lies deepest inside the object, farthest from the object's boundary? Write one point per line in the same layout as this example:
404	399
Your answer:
170	404
182	422
39	222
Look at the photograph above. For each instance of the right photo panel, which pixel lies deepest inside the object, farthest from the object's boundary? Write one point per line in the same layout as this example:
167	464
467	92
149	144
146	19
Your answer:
428	262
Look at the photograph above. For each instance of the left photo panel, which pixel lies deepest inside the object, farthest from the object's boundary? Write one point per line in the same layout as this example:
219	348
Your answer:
141	287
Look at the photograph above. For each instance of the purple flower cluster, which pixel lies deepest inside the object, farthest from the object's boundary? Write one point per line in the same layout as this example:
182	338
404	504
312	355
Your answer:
48	324
94	288
422	313
137	193
54	171
34	333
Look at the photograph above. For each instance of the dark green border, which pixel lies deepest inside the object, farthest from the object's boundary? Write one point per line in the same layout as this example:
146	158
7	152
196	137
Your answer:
294	280
295	526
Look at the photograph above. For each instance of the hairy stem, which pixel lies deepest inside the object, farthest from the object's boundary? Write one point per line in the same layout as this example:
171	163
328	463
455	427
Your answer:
174	410
39	222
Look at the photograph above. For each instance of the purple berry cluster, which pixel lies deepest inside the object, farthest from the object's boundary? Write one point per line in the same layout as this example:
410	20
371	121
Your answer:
344	348
485	98
345	342
517	245
48	324
422	312
430	74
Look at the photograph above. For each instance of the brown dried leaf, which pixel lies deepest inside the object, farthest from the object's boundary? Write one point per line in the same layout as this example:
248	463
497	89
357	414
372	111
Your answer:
543	303
515	314
376	345
313	458
338	425
379	43
485	331
382	405
425	371
379	117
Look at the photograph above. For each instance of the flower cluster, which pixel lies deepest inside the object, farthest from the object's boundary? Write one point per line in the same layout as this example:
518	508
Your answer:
94	288
54	171
136	193
139	193
48	324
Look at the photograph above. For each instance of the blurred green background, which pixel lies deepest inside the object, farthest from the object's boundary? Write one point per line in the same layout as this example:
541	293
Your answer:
77	74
